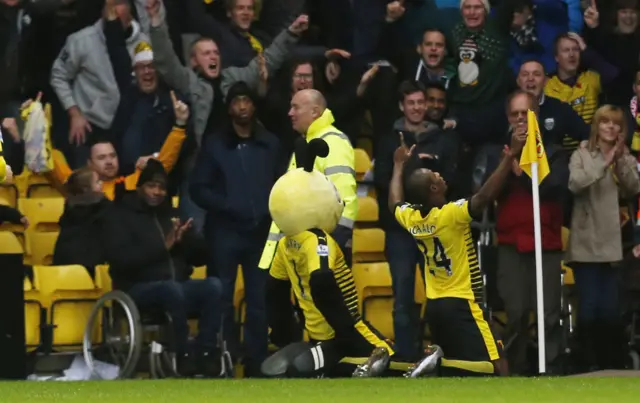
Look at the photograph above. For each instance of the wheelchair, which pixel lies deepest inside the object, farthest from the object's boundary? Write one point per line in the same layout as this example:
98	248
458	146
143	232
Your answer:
118	333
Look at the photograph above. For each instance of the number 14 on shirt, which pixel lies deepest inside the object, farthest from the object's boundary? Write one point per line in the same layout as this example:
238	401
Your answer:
435	258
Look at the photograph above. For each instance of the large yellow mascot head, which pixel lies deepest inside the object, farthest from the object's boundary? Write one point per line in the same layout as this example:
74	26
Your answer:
304	198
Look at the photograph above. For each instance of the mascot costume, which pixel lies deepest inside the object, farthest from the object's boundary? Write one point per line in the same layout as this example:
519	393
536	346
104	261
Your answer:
306	207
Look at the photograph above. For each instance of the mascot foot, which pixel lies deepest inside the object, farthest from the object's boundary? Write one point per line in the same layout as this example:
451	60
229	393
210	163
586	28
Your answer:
427	364
375	365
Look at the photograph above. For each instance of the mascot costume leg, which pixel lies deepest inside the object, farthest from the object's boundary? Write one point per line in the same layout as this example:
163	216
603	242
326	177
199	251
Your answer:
306	207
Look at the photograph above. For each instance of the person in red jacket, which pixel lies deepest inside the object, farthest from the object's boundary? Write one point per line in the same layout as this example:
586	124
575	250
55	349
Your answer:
516	258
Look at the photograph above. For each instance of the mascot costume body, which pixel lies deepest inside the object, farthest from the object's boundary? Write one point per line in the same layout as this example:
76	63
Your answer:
306	206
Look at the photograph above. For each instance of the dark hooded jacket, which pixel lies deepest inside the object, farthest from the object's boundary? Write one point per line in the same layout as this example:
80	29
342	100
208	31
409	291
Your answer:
136	249
81	236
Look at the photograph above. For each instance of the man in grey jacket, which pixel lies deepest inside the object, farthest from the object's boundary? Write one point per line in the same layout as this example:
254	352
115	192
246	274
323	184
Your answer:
82	76
200	81
205	83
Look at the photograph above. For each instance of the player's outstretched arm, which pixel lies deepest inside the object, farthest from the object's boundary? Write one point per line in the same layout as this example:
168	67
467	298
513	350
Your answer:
489	192
396	190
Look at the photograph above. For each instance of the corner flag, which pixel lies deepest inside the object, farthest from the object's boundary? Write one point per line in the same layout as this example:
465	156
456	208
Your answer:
533	150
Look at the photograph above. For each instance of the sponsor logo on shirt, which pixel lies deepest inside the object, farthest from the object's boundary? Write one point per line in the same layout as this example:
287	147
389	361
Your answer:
422	229
323	250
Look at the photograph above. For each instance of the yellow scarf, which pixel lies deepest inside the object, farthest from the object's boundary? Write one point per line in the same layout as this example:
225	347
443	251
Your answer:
255	43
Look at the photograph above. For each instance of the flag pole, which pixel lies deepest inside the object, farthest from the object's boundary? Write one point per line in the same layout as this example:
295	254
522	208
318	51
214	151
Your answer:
539	288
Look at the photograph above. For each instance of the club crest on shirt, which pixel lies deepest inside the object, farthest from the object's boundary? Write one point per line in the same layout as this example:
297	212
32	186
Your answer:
549	123
292	244
460	202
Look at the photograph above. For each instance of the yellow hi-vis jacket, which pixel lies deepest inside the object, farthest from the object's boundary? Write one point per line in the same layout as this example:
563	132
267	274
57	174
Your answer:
338	166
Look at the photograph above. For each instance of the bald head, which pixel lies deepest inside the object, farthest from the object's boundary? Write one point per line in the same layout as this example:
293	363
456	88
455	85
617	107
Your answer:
306	106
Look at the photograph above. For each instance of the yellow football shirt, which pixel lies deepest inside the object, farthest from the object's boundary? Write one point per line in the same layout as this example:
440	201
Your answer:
296	258
583	98
444	237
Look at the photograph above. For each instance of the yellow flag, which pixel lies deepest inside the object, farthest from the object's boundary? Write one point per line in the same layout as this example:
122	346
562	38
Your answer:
533	150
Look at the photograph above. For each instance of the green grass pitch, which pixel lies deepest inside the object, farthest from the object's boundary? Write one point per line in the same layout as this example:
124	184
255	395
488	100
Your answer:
578	390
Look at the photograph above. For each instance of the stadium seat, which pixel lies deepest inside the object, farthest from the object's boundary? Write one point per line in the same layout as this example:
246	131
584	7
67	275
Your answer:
69	293
362	163
34	315
568	275
365	143
175	201
103	279
368	245
9	244
41	236
367	210
9	195
33	185
373	284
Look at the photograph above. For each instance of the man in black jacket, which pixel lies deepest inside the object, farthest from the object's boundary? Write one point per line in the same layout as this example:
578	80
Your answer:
151	256
231	181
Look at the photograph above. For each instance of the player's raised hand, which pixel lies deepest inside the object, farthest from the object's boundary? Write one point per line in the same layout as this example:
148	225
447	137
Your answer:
591	15
180	109
402	153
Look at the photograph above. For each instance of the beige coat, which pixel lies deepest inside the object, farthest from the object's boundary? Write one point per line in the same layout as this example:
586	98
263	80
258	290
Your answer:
595	224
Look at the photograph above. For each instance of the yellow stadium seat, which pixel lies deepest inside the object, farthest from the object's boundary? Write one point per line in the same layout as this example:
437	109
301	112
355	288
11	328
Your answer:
9	195
373	284
103	279
568	275
42	191
69	293
33	315
368	245
41	236
362	163
9	244
33	185
175	201
365	144
367	210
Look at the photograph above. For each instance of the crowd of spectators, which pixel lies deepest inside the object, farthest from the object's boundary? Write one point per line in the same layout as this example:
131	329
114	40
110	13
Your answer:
192	98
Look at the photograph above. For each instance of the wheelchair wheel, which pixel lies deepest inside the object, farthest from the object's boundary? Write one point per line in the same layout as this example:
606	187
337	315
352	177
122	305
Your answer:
121	334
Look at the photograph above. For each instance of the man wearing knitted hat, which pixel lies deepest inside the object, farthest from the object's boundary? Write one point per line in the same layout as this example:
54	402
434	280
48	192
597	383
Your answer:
480	43
151	255
234	173
145	114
